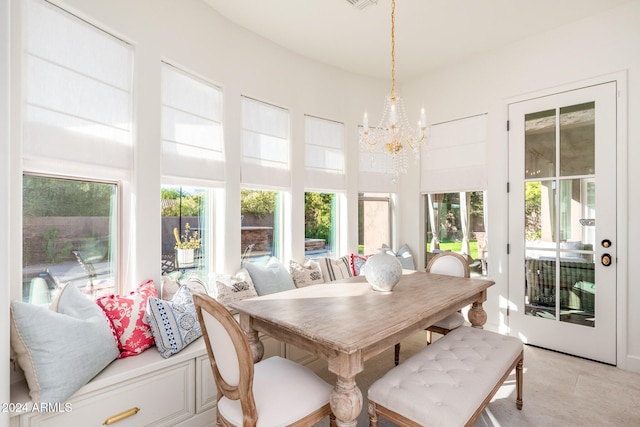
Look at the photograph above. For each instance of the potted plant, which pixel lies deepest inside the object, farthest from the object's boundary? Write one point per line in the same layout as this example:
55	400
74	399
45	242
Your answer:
186	244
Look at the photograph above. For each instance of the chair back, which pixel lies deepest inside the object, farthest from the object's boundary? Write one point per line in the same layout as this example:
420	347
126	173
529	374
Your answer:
229	353
450	264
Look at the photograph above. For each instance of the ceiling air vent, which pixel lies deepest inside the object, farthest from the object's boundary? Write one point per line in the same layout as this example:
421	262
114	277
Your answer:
361	4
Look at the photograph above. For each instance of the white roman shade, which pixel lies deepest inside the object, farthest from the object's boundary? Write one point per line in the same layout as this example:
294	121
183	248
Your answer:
376	172
192	136
455	157
77	91
324	154
265	144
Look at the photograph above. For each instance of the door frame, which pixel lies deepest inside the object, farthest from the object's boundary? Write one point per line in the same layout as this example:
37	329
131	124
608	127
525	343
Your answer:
620	78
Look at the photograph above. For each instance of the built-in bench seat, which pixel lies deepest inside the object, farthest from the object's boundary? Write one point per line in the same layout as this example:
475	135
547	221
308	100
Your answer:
450	382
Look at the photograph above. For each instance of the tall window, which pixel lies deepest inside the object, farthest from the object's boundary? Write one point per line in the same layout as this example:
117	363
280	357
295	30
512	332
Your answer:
374	222
261	224
192	152
70	231
266	156
456	222
320	229
77	123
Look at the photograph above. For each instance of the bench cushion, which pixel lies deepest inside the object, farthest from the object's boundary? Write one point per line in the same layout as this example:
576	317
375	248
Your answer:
444	384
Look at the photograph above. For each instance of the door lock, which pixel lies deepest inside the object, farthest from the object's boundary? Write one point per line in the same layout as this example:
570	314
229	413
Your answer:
606	243
606	260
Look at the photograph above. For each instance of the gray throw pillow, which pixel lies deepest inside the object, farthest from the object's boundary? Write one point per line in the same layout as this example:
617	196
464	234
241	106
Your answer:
270	278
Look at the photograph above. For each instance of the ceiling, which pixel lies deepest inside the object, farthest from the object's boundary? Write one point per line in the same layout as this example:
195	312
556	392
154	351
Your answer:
429	33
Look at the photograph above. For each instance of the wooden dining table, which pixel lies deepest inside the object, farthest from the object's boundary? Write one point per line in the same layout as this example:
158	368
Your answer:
346	322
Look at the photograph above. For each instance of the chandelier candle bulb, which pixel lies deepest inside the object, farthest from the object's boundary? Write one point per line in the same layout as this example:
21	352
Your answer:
365	122
423	119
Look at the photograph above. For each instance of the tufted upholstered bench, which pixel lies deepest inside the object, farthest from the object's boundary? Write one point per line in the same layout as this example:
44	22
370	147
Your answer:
450	382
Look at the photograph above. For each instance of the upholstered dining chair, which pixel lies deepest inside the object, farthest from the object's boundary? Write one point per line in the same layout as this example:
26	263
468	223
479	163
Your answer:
450	264
272	392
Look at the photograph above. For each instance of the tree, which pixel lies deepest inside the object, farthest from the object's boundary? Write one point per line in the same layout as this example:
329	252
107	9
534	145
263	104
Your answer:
317	215
46	197
259	203
532	210
177	202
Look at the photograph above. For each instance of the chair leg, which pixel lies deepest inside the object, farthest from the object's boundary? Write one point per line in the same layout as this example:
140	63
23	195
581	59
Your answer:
373	416
397	354
332	420
429	336
519	383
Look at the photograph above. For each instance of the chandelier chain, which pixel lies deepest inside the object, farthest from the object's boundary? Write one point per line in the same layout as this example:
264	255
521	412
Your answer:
393	49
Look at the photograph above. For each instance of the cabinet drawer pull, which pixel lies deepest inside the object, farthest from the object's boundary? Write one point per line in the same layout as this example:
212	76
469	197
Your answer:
121	416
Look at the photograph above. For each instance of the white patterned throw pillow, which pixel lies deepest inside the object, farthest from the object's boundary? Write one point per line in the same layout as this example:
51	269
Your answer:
230	289
305	274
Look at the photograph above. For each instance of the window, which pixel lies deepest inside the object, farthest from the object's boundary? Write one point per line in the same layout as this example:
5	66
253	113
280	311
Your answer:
77	148
261	224
320	229
374	222
456	222
186	232
193	153
70	237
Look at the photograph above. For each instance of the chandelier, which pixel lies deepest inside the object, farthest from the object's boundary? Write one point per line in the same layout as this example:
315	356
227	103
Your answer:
393	135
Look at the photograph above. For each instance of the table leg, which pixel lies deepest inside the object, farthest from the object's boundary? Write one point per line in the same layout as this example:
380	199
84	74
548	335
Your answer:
477	315
346	402
257	347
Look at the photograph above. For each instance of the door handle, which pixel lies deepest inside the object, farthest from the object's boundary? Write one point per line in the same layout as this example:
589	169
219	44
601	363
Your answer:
605	260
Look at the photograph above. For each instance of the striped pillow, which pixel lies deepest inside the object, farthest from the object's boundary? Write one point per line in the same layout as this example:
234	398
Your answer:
335	269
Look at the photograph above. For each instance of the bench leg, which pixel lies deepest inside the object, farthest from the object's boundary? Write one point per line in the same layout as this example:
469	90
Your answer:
373	416
396	358
519	382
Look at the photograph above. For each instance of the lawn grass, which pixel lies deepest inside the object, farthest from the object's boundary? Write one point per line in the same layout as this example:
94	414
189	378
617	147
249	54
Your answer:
457	247
447	246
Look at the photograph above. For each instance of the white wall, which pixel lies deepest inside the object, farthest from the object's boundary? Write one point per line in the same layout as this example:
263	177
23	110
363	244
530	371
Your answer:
600	45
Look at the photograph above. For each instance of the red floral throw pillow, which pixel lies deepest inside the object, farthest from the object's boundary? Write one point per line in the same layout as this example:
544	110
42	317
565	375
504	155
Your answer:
126	313
356	262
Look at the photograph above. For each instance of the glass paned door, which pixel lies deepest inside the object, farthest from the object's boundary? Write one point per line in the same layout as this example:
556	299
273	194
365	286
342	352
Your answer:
562	169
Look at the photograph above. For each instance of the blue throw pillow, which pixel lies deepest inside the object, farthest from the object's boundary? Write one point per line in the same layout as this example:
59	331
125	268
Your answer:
62	348
174	323
271	278
404	255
